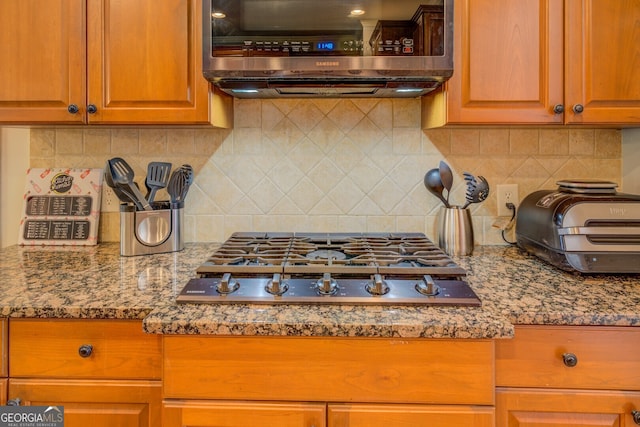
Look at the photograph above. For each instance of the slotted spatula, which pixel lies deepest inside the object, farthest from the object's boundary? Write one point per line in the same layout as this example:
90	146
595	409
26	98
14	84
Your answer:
123	175
157	178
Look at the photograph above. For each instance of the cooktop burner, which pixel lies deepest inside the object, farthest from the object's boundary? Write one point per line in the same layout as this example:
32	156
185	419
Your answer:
334	268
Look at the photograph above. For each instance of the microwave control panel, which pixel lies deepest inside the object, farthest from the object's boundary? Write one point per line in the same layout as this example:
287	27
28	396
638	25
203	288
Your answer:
287	46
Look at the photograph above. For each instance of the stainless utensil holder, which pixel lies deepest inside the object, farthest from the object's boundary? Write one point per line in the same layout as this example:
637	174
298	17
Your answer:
151	232
455	230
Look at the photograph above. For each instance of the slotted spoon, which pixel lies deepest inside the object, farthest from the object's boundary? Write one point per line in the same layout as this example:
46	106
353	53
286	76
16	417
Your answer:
477	189
123	175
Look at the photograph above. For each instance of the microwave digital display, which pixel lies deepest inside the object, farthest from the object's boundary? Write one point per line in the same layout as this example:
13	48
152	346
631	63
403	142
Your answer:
325	46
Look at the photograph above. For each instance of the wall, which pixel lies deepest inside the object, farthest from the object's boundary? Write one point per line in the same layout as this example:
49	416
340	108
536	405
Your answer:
14	161
631	160
334	165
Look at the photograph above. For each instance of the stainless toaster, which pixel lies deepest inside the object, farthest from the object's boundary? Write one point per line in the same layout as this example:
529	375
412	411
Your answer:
584	226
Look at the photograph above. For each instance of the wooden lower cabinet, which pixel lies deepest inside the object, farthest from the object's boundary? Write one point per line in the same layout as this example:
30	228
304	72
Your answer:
99	403
105	373
332	382
3	361
366	415
318	369
552	376
565	408
203	413
3	391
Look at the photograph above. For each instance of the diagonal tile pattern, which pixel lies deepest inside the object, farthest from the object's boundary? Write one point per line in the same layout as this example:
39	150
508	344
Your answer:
334	164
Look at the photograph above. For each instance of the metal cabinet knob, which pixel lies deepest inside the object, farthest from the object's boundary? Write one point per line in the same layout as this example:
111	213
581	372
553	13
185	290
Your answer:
73	109
14	402
570	360
578	108
85	350
92	109
558	109
636	417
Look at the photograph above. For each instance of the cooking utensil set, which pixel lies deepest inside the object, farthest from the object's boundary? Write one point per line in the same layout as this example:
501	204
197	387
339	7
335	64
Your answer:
119	176
439	179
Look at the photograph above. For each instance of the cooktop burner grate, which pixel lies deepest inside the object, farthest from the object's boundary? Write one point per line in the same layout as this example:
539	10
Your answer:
353	268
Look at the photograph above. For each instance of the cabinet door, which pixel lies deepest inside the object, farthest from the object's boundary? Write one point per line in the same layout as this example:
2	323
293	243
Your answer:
144	62
95	403
4	352
565	408
603	61
3	391
179	413
42	46
359	415
507	62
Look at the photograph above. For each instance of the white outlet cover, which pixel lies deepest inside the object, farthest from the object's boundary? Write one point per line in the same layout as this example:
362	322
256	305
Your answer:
506	193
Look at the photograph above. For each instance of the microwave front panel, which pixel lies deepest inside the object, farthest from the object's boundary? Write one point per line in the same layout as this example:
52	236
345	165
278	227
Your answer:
290	28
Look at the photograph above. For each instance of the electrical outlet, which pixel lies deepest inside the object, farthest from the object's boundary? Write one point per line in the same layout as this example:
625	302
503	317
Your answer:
110	202
507	193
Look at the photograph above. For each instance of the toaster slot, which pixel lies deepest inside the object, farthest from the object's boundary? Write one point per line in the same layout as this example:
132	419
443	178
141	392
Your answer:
614	240
613	223
614	237
625	232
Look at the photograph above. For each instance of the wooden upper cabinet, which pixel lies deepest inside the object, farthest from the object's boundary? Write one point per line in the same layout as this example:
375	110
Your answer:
602	70
507	63
43	71
134	61
144	61
532	61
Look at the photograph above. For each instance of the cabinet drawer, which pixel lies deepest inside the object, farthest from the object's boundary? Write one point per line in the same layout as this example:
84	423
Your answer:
607	357
52	348
329	369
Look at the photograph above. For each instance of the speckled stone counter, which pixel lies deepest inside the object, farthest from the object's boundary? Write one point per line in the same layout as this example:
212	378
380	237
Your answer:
96	282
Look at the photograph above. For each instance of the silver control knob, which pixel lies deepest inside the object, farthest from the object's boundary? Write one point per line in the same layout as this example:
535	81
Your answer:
227	284
326	285
378	286
428	286
276	286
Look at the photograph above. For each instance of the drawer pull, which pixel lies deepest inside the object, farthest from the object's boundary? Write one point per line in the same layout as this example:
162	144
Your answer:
85	350
14	402
570	360
636	417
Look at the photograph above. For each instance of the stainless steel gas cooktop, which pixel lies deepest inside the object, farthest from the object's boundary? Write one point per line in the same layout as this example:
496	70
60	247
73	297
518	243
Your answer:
329	268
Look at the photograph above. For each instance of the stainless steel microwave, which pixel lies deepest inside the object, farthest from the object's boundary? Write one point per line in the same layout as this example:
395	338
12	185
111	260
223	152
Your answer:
302	48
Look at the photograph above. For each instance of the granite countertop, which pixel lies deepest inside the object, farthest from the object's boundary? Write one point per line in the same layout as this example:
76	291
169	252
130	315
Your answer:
96	282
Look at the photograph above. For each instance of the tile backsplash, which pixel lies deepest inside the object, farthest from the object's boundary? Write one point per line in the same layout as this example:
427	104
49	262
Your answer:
333	165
